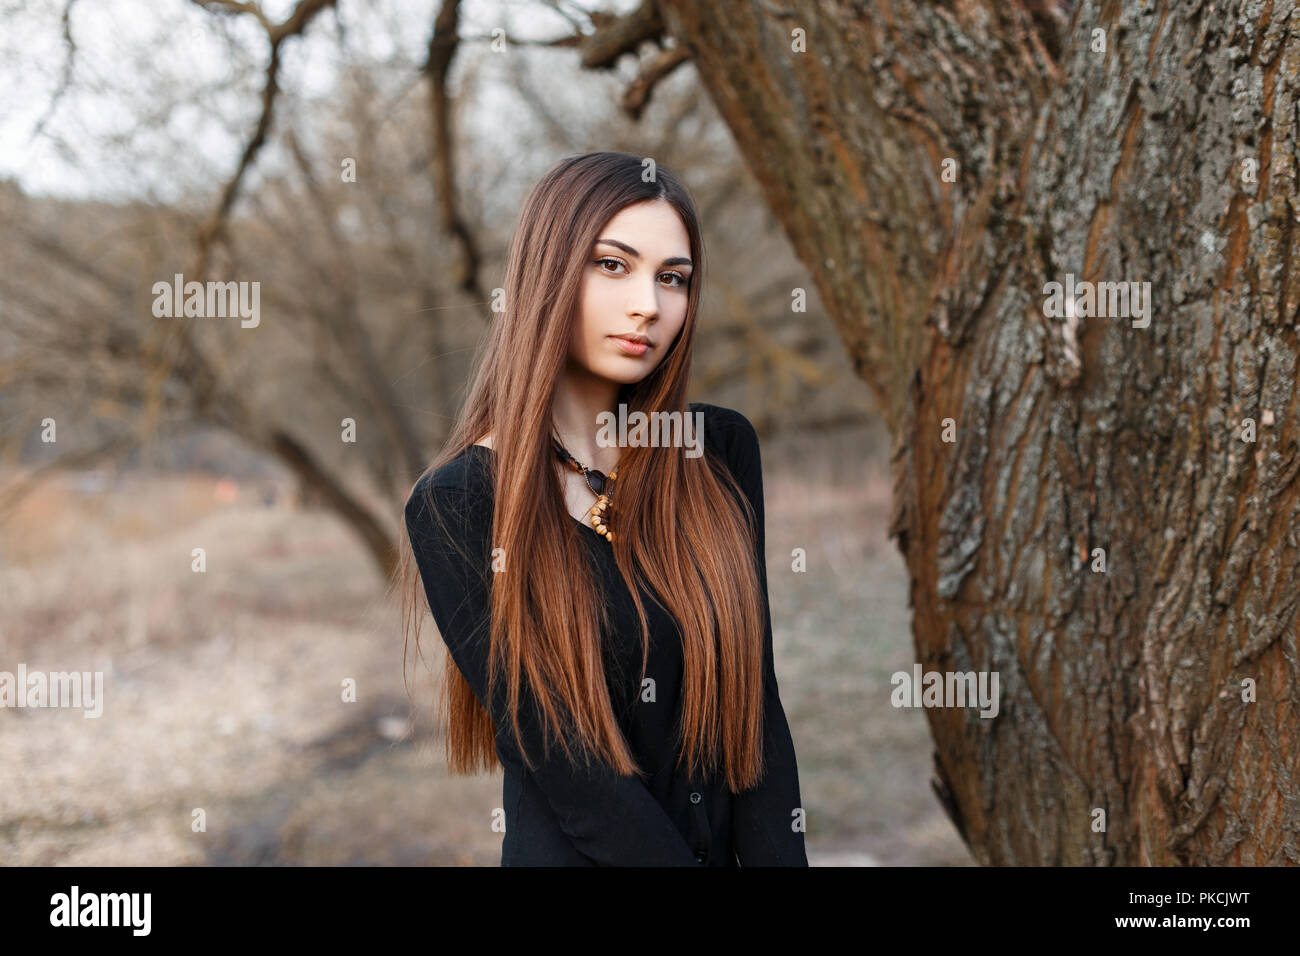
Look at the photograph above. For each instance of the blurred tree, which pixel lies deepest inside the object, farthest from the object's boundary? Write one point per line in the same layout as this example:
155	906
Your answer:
373	205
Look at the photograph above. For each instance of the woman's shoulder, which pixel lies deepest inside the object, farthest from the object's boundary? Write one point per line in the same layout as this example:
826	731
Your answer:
726	429
468	471
463	480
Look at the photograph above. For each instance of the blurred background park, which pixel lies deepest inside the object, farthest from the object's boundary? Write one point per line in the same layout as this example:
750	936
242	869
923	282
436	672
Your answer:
364	163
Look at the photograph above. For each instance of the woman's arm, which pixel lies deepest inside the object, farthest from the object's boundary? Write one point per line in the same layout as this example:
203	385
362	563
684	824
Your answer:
762	821
612	819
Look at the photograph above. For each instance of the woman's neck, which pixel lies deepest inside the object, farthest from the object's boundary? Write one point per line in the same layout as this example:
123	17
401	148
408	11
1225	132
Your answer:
579	398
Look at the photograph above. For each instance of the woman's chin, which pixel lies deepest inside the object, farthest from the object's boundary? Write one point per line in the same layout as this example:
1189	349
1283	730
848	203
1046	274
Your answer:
621	376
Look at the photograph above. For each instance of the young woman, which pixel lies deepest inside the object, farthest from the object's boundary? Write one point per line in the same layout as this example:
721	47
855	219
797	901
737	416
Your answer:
604	607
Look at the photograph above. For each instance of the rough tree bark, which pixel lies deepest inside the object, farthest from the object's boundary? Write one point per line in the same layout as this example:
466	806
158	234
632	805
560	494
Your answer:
1122	688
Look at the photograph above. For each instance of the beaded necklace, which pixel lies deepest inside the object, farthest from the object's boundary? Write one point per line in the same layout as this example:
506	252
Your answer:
597	481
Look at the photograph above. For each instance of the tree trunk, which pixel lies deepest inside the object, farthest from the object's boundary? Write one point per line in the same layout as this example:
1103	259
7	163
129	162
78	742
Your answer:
1168	158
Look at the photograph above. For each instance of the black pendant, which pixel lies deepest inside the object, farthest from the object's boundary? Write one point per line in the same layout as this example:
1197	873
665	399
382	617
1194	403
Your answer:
595	479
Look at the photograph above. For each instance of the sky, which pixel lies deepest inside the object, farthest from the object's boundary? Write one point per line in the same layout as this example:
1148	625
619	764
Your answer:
163	94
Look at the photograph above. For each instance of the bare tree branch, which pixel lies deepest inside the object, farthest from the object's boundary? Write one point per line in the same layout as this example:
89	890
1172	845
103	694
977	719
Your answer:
276	34
653	70
65	81
442	50
615	36
345	323
314	476
573	20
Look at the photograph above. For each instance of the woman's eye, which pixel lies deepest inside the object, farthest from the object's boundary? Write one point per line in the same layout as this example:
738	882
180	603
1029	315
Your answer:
611	265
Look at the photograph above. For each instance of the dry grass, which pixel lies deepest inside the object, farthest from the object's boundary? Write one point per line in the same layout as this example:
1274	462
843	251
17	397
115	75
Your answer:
223	689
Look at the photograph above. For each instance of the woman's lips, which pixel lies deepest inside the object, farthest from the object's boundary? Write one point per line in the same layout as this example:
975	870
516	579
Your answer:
629	347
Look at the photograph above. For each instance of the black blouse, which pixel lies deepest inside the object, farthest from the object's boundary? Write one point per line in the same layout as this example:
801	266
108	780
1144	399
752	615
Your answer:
564	814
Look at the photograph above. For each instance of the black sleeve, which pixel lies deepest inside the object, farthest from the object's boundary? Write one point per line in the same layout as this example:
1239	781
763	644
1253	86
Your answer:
763	818
612	819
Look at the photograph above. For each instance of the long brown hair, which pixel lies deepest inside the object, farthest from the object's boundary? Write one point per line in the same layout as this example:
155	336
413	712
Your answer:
688	535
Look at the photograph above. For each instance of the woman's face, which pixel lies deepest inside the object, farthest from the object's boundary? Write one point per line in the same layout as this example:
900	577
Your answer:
634	284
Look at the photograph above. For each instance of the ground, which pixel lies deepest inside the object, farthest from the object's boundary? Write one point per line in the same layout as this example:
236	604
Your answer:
225	737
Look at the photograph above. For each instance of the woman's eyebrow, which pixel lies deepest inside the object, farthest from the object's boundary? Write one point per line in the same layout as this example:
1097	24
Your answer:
674	261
